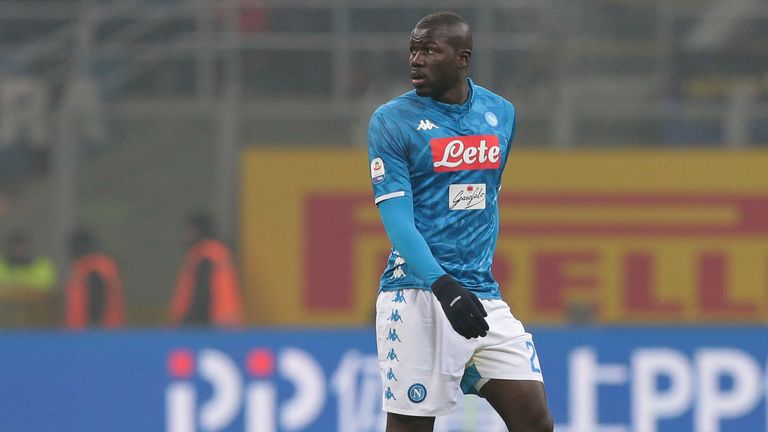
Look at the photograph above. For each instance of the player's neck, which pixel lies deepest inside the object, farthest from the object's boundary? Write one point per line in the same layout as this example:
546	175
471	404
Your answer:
456	95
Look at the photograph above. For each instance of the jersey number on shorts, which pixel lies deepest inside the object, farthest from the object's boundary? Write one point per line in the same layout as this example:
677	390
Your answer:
532	349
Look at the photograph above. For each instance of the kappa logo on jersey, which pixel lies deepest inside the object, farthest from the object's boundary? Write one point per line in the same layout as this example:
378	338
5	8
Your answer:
427	125
473	152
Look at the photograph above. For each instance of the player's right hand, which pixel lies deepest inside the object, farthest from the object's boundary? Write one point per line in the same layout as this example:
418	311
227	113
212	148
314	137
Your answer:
461	306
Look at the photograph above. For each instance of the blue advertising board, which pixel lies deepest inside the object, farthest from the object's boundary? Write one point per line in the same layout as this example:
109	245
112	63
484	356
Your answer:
651	379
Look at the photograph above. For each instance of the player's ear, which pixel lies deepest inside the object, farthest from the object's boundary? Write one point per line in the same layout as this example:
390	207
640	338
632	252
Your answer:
463	59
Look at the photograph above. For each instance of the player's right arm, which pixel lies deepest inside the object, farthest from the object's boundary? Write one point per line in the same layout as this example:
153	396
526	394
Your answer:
397	218
462	307
393	195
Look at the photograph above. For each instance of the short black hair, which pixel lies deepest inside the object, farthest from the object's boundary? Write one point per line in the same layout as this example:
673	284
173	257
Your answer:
446	19
439	19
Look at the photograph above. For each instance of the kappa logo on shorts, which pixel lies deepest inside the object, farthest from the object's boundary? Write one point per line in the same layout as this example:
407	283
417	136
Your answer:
417	393
395	316
392	336
399	297
392	355
389	395
391	375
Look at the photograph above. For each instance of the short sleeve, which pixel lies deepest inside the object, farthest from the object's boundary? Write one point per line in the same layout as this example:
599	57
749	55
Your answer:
388	160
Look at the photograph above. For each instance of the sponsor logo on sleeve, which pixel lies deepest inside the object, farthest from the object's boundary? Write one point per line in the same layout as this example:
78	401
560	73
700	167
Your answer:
473	152
377	171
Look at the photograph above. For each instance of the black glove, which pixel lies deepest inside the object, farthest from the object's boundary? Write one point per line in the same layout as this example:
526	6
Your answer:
462	307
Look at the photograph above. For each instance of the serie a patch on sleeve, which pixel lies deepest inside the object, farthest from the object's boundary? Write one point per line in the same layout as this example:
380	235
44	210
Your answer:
377	171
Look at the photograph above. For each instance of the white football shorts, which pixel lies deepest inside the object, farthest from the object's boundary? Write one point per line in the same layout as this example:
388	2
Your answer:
425	364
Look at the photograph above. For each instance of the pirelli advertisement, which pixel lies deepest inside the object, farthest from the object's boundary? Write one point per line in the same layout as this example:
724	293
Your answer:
623	237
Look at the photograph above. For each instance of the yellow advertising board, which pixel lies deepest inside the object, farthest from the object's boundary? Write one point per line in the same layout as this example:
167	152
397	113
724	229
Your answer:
635	236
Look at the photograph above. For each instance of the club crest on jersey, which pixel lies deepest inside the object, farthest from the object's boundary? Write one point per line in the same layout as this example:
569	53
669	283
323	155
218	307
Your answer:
491	119
427	125
473	152
377	171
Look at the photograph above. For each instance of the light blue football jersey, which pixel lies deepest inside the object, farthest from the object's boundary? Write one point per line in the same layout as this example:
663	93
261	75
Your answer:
449	159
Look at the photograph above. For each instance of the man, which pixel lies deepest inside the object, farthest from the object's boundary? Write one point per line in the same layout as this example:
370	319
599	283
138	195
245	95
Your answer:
26	284
207	288
95	289
436	156
20	269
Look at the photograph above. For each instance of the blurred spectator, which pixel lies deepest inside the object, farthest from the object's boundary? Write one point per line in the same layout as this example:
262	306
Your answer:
207	288
94	291
26	284
14	162
24	137
22	270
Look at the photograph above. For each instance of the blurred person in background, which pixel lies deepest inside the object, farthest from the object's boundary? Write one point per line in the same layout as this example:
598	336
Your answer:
207	288
20	269
436	156
26	284
94	292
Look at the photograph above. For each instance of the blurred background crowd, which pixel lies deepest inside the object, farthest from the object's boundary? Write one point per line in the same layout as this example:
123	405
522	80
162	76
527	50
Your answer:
124	121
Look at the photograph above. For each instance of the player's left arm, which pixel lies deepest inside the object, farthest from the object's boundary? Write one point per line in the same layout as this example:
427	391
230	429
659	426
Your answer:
512	122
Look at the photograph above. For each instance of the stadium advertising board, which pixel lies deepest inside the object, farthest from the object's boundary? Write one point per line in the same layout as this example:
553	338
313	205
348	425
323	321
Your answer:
633	236
598	380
